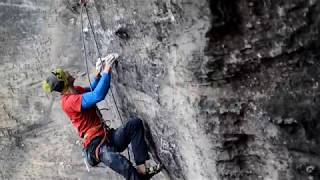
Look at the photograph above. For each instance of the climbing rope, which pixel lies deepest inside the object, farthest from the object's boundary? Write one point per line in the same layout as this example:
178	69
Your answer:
83	4
84	47
86	60
99	56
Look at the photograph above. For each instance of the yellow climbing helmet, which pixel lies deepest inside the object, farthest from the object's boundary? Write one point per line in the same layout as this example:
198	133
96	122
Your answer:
57	81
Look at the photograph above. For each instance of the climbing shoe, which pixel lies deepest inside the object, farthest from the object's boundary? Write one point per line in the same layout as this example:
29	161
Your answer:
152	170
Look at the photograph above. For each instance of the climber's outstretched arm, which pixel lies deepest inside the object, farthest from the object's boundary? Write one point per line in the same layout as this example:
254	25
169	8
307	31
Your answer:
89	99
100	91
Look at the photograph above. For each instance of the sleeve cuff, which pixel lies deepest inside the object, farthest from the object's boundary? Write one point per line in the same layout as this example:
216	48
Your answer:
105	73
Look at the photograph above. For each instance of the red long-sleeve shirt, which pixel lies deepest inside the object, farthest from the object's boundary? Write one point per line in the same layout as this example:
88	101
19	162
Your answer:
82	120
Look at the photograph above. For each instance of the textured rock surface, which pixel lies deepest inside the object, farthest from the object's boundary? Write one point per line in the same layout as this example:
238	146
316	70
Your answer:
227	89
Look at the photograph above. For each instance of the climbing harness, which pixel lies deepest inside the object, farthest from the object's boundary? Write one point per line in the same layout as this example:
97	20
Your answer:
106	128
93	133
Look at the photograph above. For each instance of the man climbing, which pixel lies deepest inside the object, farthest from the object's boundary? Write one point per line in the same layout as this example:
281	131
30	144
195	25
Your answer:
100	143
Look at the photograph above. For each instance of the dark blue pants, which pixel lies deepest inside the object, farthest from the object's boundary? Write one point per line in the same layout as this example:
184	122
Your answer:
130	132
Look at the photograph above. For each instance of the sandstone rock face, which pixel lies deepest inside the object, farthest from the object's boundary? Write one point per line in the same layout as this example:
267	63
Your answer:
226	89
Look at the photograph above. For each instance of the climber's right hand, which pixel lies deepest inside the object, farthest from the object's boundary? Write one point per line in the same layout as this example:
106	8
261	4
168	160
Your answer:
109	60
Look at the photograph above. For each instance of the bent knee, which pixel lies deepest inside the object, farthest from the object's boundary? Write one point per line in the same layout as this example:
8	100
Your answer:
136	122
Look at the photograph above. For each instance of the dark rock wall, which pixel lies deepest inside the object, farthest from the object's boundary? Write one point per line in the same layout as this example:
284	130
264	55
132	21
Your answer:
227	89
265	53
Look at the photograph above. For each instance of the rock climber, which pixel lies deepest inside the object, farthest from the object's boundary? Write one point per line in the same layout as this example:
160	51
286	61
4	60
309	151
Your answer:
102	144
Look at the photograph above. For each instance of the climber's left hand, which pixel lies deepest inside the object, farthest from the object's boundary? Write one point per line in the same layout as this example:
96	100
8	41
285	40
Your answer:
99	65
